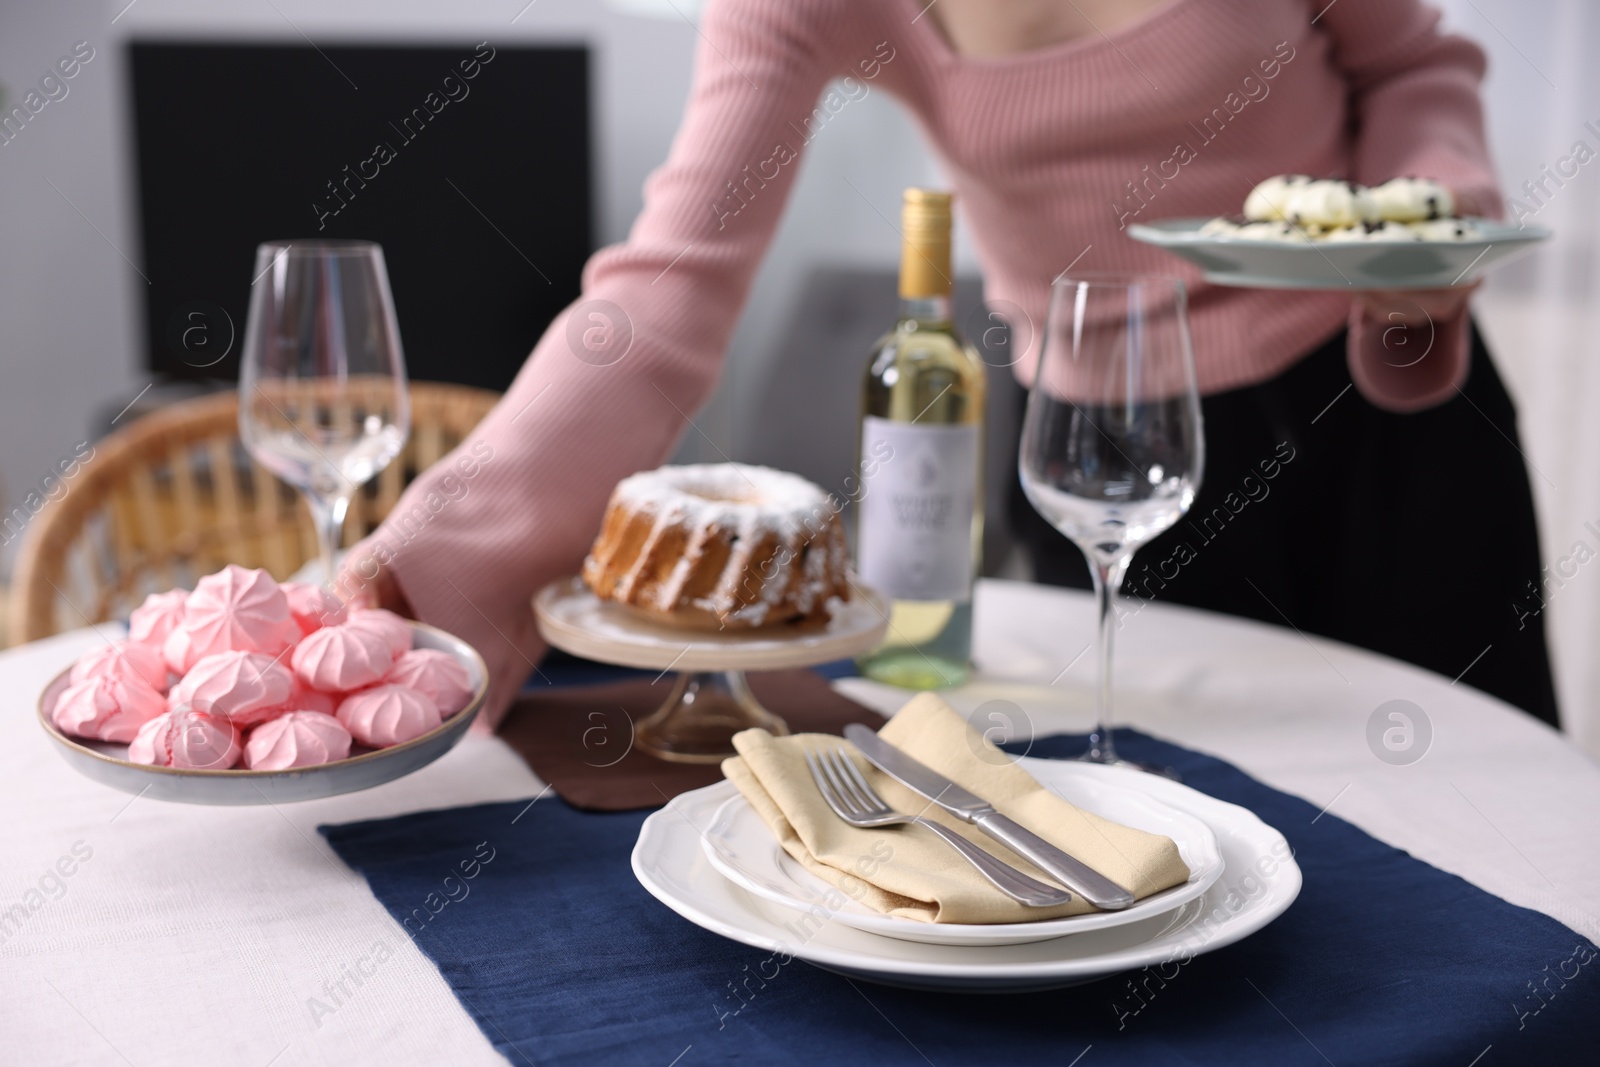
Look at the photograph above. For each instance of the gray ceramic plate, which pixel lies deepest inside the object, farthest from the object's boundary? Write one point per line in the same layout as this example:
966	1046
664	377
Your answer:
108	764
1339	265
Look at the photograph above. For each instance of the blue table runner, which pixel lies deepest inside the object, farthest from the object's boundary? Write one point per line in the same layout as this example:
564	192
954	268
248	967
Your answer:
533	916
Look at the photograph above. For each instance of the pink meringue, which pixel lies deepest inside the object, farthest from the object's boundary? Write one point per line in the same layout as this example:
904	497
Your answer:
437	675
238	610
395	630
388	715
107	707
158	616
189	739
121	659
305	698
179	652
338	659
244	687
298	739
312	606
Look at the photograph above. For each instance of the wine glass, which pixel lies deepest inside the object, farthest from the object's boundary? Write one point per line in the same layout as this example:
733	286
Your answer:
1112	444
323	401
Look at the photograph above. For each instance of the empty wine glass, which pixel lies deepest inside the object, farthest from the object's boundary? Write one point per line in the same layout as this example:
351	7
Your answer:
323	401
1112	444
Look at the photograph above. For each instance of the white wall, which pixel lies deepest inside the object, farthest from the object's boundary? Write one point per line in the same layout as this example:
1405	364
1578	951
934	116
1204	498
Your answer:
69	304
1540	315
67	297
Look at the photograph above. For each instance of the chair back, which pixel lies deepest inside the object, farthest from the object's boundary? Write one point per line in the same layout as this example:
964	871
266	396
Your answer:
173	496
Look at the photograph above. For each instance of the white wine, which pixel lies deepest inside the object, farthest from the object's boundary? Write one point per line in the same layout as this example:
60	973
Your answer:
919	518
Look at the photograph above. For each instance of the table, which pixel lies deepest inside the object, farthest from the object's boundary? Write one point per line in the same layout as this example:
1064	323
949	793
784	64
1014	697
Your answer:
187	934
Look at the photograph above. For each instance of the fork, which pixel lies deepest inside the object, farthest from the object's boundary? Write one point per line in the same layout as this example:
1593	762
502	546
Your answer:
853	799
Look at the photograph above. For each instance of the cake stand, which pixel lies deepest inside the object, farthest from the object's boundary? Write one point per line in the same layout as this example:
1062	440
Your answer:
711	701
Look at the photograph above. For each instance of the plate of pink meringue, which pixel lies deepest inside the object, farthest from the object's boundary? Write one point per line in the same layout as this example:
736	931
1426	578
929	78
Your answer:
248	691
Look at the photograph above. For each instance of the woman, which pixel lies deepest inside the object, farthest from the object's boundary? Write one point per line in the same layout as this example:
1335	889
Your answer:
1060	123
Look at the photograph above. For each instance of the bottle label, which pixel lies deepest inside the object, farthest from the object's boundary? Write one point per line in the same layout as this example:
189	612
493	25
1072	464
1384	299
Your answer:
914	520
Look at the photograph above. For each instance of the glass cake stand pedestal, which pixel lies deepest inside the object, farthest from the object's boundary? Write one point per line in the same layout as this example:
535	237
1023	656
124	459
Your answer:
711	701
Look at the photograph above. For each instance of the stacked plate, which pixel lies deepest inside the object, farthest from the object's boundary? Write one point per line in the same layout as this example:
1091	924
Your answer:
710	858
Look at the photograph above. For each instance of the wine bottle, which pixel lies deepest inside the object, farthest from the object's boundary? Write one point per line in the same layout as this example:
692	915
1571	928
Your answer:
919	517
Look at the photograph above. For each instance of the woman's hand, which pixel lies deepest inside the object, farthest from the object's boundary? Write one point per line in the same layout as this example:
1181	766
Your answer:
1414	307
1421	307
379	591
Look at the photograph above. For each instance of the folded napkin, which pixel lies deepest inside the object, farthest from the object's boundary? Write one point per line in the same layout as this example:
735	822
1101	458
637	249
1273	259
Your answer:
906	870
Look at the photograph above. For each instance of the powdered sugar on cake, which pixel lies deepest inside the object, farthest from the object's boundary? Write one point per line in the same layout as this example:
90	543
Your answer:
792	523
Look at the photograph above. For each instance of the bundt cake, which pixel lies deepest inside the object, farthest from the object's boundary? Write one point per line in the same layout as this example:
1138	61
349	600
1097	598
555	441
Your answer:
720	546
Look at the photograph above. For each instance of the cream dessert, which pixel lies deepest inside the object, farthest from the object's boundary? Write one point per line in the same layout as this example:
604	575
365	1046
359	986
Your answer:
121	659
298	739
178	650
1299	208
335	677
158	616
312	607
437	675
1324	203
1413	200
305	698
107	708
187	739
1373	231
341	659
244	687
238	610
394	630
388	715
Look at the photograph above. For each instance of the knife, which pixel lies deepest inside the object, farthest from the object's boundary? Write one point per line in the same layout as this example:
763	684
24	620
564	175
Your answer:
1096	888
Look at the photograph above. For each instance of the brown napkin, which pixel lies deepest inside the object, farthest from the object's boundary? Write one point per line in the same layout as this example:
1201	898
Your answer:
907	870
575	738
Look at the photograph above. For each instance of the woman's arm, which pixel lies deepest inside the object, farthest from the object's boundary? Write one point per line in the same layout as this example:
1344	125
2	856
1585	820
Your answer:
612	385
1414	94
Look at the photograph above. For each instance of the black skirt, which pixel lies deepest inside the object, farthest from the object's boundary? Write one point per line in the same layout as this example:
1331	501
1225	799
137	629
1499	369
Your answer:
1410	535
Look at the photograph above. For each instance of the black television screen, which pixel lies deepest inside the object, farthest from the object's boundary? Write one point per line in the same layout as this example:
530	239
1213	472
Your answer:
469	163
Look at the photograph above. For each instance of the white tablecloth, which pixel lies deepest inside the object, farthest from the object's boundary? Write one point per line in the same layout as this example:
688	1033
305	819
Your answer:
186	934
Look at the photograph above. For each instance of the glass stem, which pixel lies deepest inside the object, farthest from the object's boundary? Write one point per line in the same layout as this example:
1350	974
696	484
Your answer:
1107	580
327	514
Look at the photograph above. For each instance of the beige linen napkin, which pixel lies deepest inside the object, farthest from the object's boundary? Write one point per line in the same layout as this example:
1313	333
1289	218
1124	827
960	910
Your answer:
907	870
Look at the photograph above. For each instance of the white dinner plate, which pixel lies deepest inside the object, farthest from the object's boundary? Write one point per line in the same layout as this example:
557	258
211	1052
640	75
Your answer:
1260	881
1307	264
108	763
741	846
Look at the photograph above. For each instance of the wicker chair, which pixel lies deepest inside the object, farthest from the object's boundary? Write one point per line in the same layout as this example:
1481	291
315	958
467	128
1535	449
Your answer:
173	496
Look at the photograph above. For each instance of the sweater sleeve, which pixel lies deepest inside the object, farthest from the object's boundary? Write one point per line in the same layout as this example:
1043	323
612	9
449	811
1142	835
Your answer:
1415	103
614	382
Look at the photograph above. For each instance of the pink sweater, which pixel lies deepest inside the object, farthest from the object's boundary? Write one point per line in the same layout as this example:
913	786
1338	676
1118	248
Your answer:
1052	153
